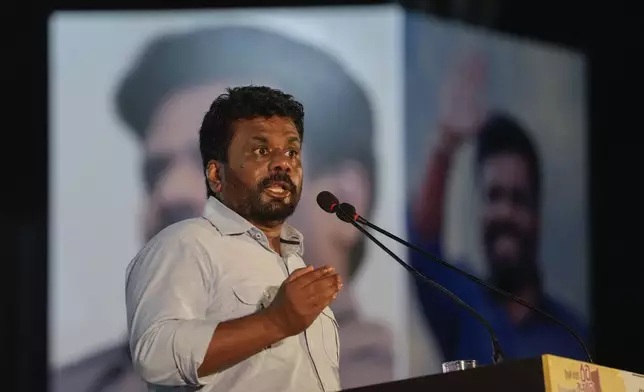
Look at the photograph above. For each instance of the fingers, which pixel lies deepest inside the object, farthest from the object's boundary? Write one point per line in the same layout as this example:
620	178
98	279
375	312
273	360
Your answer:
325	290
330	293
315	275
332	281
325	298
299	272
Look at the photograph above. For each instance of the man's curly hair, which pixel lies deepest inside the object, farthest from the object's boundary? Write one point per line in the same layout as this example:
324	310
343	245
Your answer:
243	103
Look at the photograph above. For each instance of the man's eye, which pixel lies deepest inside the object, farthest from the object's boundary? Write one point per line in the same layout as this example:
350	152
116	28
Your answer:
261	151
292	153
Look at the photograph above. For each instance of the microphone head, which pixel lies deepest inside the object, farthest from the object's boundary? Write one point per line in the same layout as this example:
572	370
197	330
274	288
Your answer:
327	201
346	212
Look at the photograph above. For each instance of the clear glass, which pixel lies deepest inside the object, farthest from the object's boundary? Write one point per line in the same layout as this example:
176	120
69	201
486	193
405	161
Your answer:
453	366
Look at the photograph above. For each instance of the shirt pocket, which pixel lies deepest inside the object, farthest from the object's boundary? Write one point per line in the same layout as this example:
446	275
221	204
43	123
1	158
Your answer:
330	336
247	299
251	299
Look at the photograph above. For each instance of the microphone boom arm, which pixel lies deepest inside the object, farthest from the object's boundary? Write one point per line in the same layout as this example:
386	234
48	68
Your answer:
497	356
434	258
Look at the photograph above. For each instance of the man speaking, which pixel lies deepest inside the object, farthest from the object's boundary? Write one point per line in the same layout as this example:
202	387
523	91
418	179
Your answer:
224	302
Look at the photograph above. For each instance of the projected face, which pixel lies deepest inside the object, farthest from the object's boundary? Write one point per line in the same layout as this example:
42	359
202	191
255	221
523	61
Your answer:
509	219
173	170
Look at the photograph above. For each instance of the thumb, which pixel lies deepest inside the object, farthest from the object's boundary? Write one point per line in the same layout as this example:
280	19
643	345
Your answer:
299	272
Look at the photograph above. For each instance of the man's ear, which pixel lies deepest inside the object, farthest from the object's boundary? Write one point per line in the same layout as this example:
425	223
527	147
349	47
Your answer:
214	173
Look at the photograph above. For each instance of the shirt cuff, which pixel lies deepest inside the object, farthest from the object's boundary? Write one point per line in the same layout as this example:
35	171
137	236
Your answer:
191	343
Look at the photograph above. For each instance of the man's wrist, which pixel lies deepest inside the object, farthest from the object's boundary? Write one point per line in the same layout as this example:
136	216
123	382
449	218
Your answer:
446	142
274	323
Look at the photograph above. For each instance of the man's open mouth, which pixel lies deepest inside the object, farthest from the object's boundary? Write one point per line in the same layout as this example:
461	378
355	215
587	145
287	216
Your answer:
278	189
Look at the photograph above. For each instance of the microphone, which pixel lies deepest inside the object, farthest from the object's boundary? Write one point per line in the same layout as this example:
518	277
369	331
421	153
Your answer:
346	212
359	219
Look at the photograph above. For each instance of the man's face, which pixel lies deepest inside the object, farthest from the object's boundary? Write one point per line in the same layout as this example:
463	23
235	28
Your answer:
262	179
509	219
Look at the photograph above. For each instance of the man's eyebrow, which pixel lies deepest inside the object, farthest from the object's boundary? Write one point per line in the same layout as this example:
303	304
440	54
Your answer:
261	139
294	139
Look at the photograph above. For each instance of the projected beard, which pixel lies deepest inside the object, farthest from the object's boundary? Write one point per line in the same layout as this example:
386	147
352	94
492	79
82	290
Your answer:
254	204
170	213
511	273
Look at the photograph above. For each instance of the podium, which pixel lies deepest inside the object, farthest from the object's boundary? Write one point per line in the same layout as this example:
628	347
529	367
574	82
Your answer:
547	373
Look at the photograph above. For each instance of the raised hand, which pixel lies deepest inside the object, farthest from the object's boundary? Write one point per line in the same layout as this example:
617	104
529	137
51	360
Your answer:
462	100
302	297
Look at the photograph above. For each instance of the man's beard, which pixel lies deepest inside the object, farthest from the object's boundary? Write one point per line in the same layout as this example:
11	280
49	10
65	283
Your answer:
250	204
511	275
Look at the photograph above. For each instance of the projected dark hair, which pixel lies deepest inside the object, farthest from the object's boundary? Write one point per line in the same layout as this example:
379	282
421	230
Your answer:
337	108
500	134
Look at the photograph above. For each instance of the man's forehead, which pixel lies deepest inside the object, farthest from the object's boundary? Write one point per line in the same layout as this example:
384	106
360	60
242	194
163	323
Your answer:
266	128
505	168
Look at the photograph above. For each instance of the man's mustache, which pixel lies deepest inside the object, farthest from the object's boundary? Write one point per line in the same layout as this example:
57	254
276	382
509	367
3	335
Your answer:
279	177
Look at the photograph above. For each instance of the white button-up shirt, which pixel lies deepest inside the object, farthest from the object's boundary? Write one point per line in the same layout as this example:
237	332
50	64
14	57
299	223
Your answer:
202	271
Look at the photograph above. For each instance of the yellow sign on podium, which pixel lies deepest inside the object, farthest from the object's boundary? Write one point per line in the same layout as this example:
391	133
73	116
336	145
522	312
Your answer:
567	375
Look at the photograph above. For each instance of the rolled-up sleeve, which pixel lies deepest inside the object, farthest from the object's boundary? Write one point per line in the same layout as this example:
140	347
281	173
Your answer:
168	290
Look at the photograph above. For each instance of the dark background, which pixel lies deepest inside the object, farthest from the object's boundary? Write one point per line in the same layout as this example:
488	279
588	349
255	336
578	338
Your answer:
608	33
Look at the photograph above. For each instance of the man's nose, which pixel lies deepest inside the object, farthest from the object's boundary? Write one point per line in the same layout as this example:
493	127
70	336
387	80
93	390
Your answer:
280	162
505	208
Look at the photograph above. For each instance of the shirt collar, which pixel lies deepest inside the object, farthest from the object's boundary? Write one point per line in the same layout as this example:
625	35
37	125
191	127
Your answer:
228	222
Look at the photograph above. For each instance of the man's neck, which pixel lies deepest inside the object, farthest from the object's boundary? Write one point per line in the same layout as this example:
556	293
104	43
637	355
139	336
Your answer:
272	229
273	232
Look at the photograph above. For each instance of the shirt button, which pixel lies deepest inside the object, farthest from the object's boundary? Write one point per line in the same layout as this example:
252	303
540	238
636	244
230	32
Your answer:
258	236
